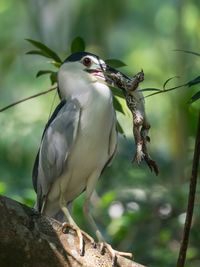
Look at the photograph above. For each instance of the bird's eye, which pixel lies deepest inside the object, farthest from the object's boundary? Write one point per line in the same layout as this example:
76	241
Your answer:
87	62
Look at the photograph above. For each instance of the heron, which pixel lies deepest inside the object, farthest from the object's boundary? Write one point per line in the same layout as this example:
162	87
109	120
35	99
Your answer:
78	142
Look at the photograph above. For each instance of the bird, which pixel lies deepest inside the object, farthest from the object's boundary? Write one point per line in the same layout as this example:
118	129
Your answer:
78	142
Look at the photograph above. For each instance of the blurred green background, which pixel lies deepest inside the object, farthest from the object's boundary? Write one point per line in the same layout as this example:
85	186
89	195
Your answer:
135	210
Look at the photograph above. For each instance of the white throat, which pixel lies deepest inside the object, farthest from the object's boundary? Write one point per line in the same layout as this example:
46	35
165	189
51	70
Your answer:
75	82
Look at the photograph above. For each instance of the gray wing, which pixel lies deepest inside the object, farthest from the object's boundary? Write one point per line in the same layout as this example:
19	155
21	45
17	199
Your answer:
58	138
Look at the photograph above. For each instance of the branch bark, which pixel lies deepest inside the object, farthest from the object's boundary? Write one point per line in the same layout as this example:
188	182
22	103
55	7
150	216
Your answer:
191	200
29	239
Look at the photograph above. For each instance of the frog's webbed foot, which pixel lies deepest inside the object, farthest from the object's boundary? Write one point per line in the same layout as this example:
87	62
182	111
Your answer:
151	164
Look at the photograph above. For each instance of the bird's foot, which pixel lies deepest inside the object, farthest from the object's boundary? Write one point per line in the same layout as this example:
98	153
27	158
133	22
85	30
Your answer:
114	253
80	235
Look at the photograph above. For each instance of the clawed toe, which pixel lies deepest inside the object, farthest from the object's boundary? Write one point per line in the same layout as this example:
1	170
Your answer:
80	235
103	245
114	253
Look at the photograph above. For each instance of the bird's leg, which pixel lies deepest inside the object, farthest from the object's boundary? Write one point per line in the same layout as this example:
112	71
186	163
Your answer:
88	216
114	253
73	225
86	206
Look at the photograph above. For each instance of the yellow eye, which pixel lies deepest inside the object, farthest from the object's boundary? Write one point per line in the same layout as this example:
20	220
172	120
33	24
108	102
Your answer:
87	62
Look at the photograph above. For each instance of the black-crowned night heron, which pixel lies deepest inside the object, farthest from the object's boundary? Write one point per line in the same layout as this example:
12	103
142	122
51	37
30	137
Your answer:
79	140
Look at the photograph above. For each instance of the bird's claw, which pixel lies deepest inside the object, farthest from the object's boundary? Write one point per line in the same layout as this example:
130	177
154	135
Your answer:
80	235
114	253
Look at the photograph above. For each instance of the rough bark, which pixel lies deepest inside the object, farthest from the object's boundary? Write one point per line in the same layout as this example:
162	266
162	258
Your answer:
28	239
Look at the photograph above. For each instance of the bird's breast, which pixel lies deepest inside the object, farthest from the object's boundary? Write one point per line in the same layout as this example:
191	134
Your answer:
96	120
91	149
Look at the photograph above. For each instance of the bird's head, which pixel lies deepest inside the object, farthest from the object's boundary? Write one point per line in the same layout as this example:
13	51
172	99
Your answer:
81	67
88	62
93	65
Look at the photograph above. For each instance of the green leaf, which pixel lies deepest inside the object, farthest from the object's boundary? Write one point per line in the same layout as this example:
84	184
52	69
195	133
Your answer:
78	45
116	91
46	50
195	97
120	129
53	77
118	106
115	63
56	64
43	72
37	52
189	52
194	81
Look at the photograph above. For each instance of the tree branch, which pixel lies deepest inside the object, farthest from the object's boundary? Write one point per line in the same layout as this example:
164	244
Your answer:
29	239
27	98
191	200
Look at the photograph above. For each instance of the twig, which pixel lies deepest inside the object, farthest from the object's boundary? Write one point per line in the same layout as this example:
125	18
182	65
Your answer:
166	90
191	199
27	98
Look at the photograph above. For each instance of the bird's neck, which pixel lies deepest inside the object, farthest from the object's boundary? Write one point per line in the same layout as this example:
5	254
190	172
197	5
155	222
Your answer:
84	87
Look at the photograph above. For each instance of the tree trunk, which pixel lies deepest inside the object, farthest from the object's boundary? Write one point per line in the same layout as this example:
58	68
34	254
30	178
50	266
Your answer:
28	239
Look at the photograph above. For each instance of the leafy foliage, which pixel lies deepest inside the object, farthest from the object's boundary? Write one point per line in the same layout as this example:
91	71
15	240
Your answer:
191	83
117	92
195	97
43	51
196	80
120	129
78	45
115	63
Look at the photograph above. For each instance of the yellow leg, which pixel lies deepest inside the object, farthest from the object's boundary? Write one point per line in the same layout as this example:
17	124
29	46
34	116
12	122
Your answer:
86	210
73	225
89	218
86	206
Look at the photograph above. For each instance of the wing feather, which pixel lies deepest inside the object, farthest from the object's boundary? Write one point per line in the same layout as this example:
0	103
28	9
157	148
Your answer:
58	137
